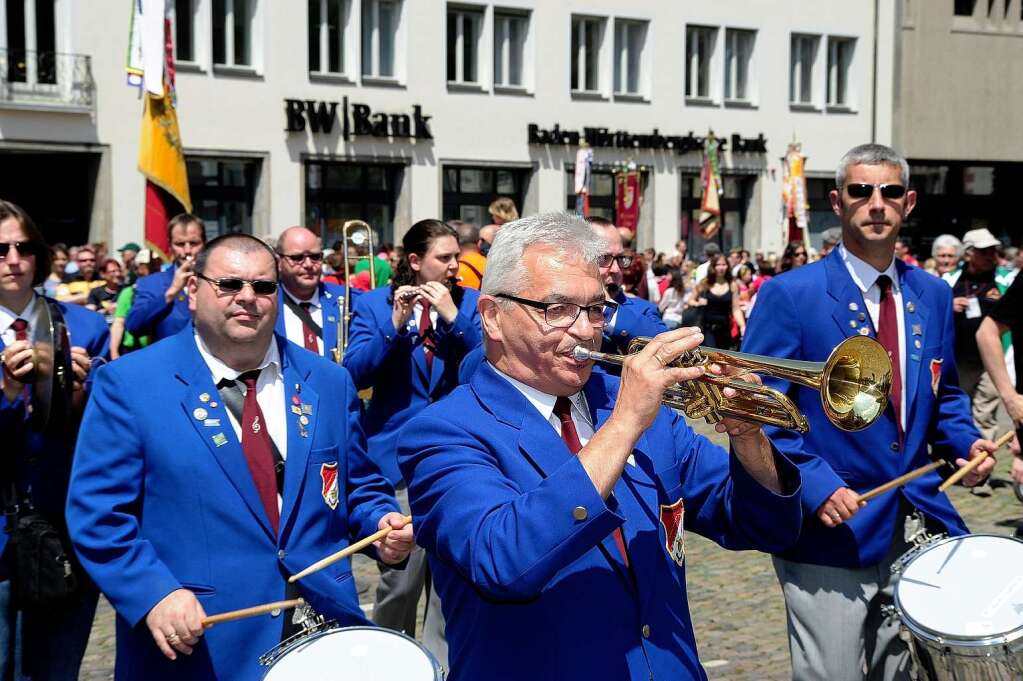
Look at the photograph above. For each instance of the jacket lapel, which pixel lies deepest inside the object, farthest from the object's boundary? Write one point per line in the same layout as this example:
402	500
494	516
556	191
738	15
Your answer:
299	445
330	307
914	315
848	311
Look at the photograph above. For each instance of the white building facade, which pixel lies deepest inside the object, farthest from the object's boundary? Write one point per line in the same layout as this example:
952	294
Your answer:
398	110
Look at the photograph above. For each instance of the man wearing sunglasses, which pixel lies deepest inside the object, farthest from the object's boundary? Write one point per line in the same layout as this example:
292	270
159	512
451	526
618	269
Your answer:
214	465
837	581
550	497
160	307
310	311
53	639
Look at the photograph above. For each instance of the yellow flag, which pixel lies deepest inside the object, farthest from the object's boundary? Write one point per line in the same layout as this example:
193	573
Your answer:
161	157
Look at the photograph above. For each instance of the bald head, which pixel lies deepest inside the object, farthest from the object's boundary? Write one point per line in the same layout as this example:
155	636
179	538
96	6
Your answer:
301	261
297	239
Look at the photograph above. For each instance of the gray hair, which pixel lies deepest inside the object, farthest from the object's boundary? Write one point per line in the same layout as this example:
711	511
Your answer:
563	232
870	155
947	241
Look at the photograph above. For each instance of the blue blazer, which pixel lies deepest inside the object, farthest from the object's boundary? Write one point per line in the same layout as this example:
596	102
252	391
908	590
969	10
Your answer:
521	546
636	317
804	314
162	500
393	363
149	313
332	302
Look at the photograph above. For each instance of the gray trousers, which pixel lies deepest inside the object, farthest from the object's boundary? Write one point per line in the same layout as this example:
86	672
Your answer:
837	629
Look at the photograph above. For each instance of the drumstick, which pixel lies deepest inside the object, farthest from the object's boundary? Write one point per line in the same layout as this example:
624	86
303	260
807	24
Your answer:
251	612
975	461
345	552
900	481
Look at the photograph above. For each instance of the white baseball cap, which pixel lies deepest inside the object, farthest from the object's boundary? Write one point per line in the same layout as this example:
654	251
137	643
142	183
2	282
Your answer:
980	238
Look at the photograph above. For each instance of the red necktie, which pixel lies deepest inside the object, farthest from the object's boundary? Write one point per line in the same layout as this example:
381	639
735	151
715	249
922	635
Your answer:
563	410
308	335
426	333
888	336
257	449
20	327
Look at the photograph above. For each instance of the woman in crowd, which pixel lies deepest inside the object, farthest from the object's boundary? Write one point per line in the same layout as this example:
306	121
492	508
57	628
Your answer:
673	301
58	271
718	294
794	256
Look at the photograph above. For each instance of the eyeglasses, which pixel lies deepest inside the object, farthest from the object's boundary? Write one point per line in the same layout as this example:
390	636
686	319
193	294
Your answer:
261	287
562	315
862	190
623	260
299	258
24	248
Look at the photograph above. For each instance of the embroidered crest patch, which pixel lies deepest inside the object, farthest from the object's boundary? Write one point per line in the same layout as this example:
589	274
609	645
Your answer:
935	375
674	537
328	474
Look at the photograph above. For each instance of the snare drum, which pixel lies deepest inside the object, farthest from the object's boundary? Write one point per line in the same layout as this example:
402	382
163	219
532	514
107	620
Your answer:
962	600
354	654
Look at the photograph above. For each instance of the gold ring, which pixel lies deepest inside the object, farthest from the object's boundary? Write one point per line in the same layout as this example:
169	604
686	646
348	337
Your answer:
172	638
660	360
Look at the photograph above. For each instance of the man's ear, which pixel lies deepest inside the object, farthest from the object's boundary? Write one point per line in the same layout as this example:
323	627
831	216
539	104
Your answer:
193	288
490	316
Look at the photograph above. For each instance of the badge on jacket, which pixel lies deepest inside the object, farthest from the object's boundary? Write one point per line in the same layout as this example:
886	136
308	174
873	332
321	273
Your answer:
674	537
328	474
935	375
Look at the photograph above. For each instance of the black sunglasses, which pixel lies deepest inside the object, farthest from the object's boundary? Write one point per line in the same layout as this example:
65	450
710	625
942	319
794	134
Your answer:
623	260
23	248
299	258
562	315
261	287
862	190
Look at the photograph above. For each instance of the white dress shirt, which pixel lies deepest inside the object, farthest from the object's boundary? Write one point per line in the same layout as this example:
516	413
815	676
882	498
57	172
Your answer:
7	318
293	325
865	277
544	404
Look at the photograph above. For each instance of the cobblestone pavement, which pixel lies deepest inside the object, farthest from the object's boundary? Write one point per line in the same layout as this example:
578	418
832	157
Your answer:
735	600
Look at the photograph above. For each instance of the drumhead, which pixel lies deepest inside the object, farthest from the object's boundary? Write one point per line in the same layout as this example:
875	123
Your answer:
355	654
967	588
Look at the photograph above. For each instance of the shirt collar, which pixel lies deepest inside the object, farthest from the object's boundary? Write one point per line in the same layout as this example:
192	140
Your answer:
7	316
543	402
222	372
314	300
863	273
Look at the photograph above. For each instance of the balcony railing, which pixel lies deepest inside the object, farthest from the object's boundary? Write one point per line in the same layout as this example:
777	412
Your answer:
46	79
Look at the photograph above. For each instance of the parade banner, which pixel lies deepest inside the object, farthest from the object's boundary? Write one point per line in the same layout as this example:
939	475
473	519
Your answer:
710	178
583	167
795	207
627	199
161	156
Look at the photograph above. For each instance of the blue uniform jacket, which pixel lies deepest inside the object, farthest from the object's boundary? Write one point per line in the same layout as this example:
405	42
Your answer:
521	546
332	302
804	314
149	313
636	317
393	363
162	499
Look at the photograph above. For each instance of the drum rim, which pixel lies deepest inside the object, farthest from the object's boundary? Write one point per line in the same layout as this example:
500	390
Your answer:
438	669
926	633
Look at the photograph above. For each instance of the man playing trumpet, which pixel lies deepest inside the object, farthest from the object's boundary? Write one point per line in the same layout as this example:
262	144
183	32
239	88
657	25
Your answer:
550	497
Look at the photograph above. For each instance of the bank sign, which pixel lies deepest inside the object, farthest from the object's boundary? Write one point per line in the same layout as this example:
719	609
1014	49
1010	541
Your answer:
355	120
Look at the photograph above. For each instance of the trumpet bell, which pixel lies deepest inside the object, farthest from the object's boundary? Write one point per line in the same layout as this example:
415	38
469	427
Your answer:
855	383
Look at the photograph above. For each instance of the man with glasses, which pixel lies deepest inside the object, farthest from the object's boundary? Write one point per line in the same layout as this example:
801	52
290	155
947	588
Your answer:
550	497
214	465
837	581
160	307
310	312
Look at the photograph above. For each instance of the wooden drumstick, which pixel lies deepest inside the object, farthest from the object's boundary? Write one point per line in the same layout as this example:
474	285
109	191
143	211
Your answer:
345	552
232	615
975	461
900	481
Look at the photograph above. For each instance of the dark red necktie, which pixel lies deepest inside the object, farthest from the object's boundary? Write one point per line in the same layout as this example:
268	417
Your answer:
563	410
888	336
20	327
308	335
257	449
426	333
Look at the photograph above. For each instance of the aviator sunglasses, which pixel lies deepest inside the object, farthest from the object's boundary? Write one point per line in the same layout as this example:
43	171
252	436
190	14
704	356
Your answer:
862	190
23	247
261	287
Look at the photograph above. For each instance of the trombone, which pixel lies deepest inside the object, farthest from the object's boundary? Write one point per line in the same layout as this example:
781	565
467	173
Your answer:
358	233
854	384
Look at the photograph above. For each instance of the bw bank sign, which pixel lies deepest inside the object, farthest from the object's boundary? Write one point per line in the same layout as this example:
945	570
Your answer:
354	120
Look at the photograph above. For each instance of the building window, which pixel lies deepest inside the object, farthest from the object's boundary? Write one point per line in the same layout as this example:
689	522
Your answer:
964	8
699	50
31	42
840	56
464	28
803	56
630	39
602	192
327	21
184	30
223	191
468	192
738	60
735	208
510	31
380	19
337	192
232	32
587	35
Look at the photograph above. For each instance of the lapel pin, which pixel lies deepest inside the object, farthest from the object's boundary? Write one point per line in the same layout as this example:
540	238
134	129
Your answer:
295	400
304	420
853	307
303	432
852	323
220	439
918	330
298	388
330	319
295	409
916	343
307	409
205	397
199	414
213	405
864	331
862	317
911	306
211	423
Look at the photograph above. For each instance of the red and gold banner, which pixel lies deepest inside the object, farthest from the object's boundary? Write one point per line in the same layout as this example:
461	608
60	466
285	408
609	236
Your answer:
627	199
710	176
795	207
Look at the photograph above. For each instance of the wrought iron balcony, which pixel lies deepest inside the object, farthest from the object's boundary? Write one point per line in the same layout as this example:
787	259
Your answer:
48	80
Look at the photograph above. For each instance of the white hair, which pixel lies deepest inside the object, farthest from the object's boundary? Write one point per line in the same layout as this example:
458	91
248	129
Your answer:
563	232
947	241
871	155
